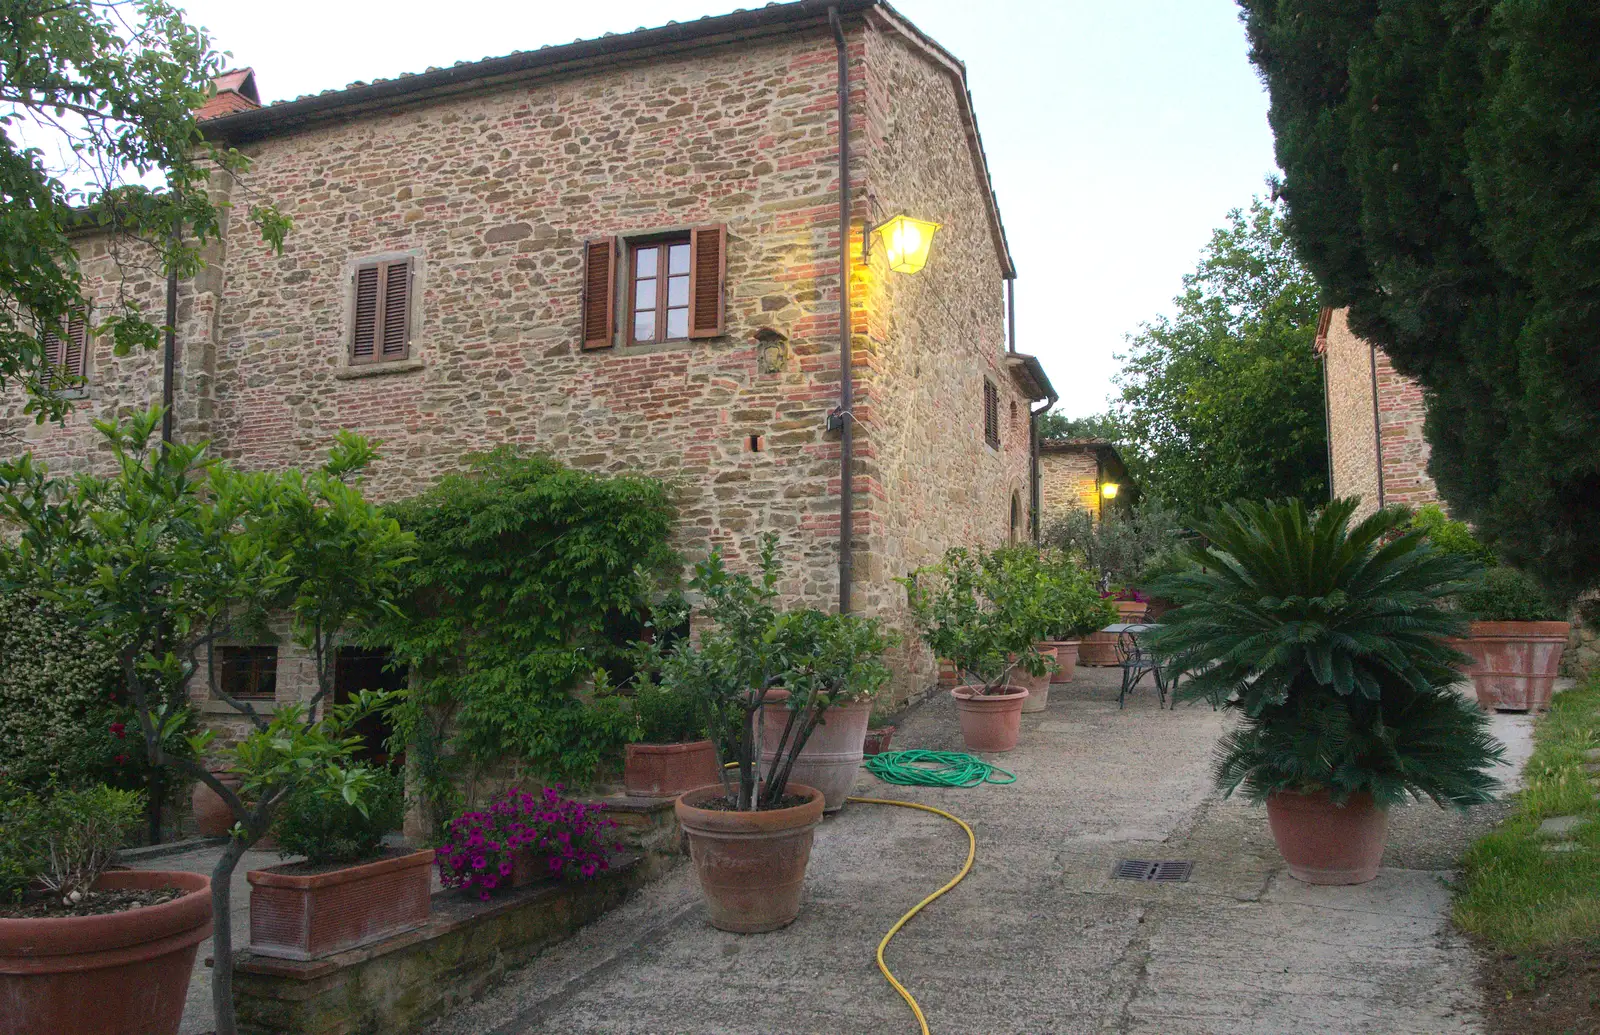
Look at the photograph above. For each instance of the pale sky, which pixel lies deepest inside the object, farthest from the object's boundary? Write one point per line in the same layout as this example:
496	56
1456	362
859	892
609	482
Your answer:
1118	134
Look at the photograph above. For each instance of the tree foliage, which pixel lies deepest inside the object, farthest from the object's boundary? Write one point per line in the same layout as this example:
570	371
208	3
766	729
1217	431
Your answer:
1096	425
96	102
1442	176
1224	400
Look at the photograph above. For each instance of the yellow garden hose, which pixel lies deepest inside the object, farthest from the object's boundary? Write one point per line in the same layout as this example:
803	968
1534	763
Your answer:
966	867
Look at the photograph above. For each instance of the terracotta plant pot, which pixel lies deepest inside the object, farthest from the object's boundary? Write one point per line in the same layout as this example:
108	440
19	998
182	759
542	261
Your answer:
1066	659
1324	843
990	722
308	916
832	755
667	770
878	740
1038	687
751	865
948	676
212	817
1514	664
1098	649
105	975
1132	610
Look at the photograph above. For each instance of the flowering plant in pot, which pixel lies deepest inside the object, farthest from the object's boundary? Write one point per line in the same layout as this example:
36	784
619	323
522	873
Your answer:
350	890
522	837
1077	610
987	613
1328	643
750	833
72	931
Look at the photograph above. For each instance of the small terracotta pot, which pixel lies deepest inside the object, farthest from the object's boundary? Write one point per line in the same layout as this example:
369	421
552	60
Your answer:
114	973
1324	843
751	865
877	741
948	676
1515	664
212	817
667	770
990	722
1066	659
1038	687
308	916
832	755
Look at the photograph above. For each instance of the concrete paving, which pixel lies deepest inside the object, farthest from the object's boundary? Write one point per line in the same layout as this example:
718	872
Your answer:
1040	938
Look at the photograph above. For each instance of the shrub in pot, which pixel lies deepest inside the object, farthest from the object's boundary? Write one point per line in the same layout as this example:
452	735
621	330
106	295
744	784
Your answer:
1328	643
671	753
1077	610
349	891
72	932
750	833
987	613
522	837
1515	640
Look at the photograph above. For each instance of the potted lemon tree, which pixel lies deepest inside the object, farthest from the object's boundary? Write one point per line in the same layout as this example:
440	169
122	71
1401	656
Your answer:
1329	644
1077	609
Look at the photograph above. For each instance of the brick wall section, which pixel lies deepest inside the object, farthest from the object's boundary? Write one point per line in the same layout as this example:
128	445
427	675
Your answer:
495	193
1349	367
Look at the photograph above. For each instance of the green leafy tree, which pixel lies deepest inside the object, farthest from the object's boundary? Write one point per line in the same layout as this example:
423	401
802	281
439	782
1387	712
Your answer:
1096	425
1224	400
1442	175
96	102
173	552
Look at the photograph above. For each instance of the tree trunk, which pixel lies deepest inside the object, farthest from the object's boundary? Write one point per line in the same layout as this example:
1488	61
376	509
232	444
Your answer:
222	937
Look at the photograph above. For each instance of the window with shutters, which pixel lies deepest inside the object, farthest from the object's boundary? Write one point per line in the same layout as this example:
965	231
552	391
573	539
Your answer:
66	351
671	287
991	414
380	324
249	673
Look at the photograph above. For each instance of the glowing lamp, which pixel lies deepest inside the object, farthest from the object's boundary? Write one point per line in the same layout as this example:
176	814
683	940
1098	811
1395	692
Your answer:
907	241
1109	490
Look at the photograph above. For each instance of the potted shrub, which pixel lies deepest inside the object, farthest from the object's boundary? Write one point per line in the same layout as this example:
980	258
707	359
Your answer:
350	890
522	837
880	732
1515	640
1328	643
1077	610
750	833
986	613
75	933
672	753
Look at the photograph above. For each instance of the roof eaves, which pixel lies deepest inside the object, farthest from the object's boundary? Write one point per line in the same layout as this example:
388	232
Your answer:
1029	374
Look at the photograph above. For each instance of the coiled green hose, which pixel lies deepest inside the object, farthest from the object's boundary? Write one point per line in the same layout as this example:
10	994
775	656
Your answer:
935	769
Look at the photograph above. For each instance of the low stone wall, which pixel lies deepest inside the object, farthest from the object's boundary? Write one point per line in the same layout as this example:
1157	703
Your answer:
1582	657
467	946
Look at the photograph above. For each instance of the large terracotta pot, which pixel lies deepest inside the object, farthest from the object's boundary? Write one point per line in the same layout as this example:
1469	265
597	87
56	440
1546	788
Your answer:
1038	687
1066	659
308	916
1514	664
212	816
751	865
1324	843
667	770
832	755
117	974
989	722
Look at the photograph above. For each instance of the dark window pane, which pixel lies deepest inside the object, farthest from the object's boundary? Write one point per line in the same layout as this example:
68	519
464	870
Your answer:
249	672
677	323
644	294
678	258
677	291
644	326
646	261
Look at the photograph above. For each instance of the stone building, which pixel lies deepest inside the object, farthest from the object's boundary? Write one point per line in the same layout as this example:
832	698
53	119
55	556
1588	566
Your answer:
625	252
1375	416
1075	472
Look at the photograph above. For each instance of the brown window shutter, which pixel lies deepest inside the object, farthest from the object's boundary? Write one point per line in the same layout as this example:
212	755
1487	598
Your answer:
708	267
600	292
364	338
991	413
75	350
396	316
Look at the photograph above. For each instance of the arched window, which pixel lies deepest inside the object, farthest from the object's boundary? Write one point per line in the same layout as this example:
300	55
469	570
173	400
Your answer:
1016	517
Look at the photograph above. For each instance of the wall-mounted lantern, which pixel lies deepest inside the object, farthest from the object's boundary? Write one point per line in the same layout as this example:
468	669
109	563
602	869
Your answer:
1109	490
905	240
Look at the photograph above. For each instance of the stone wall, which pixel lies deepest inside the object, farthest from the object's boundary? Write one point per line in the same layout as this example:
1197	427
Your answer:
1068	478
1351	366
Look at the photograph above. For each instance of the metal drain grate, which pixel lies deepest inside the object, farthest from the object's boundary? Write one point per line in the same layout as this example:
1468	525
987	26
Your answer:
1162	870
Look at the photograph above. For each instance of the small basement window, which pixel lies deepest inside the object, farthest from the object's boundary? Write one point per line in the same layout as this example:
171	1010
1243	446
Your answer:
249	673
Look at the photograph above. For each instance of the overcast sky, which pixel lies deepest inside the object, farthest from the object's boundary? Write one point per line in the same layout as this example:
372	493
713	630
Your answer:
1118	134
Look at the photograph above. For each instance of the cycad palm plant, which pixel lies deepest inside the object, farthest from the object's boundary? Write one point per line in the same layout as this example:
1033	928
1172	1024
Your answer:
1330	640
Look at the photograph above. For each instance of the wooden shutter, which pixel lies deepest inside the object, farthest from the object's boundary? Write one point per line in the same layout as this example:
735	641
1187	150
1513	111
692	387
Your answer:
708	267
600	292
381	326
75	350
991	413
